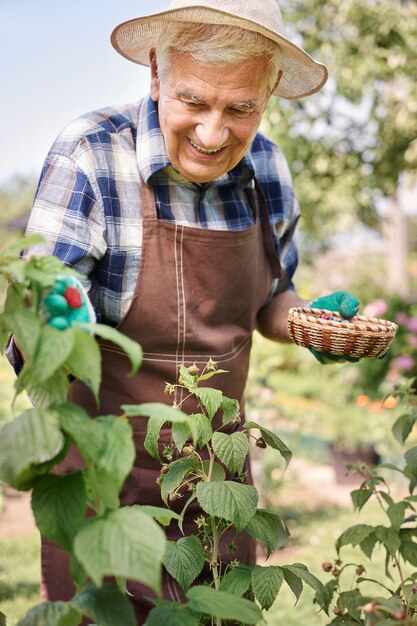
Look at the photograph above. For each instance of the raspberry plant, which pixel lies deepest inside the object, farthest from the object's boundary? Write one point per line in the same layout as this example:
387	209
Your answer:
392	600
114	543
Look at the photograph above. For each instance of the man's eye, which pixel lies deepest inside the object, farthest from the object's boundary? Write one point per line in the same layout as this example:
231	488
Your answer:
241	112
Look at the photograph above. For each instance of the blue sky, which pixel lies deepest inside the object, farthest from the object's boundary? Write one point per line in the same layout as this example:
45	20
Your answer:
57	63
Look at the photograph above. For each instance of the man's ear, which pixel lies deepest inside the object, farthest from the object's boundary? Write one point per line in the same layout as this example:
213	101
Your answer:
154	75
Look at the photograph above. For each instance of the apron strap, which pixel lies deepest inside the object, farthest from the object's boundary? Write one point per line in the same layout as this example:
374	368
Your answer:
267	237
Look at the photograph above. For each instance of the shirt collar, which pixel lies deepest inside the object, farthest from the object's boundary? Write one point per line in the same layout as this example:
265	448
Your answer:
152	154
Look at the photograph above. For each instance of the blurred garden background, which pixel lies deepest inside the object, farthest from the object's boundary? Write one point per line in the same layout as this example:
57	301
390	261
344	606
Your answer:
352	150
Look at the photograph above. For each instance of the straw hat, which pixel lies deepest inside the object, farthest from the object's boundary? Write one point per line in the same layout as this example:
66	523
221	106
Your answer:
302	75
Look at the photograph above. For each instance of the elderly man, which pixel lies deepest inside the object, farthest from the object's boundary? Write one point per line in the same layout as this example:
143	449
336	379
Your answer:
181	215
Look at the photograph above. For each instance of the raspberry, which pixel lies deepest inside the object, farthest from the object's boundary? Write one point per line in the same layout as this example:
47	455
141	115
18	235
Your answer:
73	297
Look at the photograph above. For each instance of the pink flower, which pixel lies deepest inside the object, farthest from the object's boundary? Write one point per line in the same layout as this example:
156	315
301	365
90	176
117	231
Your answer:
412	324
376	308
401	318
404	362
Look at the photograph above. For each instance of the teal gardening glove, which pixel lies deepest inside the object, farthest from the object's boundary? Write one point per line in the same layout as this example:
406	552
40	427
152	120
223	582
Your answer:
347	305
66	304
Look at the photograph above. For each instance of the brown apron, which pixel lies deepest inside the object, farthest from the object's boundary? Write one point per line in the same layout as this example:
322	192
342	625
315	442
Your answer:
197	297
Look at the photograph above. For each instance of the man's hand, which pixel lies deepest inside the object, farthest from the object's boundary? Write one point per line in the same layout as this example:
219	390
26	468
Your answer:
347	305
66	304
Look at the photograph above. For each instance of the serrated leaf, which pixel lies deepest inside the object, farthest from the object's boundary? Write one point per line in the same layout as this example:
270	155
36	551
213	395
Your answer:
178	470
389	538
54	390
354	535
107	606
210	399
266	583
54	346
300	570
269	529
396	513
126	543
188	380
232	450
180	433
132	349
272	440
161	515
204	599
25	326
152	436
84	361
408	550
228	500
51	614
411	459
204	431
58	504
184	560
360	497
231	410
28	445
294	582
171	614
237	581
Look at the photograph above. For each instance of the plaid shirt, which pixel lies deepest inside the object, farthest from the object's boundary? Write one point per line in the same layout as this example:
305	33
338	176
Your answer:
88	203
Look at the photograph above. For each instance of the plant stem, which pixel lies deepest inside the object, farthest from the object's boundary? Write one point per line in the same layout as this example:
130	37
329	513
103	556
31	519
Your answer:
214	561
211	466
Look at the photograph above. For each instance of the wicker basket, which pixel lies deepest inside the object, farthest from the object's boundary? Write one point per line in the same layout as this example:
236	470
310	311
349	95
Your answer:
328	331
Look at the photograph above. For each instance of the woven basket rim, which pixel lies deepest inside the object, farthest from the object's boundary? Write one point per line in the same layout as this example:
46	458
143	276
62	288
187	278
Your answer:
357	324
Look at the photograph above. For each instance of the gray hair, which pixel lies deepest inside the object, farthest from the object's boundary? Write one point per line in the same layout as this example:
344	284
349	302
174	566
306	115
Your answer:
216	44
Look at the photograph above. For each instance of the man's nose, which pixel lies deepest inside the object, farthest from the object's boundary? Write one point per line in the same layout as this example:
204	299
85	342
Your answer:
211	131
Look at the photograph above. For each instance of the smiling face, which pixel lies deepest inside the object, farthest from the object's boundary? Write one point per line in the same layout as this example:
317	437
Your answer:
209	114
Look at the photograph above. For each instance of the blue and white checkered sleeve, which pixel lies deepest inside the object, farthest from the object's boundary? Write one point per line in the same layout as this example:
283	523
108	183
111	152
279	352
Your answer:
67	213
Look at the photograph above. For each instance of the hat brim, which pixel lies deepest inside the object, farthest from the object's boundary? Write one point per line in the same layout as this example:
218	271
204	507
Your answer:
302	75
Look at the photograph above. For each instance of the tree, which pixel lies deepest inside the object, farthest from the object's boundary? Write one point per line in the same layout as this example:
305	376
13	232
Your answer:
350	145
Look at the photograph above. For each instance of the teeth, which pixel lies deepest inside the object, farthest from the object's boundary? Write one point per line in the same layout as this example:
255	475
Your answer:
203	150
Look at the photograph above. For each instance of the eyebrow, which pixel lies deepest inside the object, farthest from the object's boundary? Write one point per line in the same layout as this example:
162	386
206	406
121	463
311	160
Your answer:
245	104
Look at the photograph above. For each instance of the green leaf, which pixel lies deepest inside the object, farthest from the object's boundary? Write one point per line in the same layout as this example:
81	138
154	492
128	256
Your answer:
188	380
152	436
161	515
411	459
231	410
184	560
84	361
54	346
218	473
403	426
272	440
204	431
389	538
408	550
26	327
130	347
232	450
171	614
266	583
360	497
2	619
300	570
269	529
294	583
126	543
210	399
178	470
180	433
367	545
204	599
228	500
396	513
107	606
106	441
237	581
54	390
354	535
58	504
51	614
28	446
